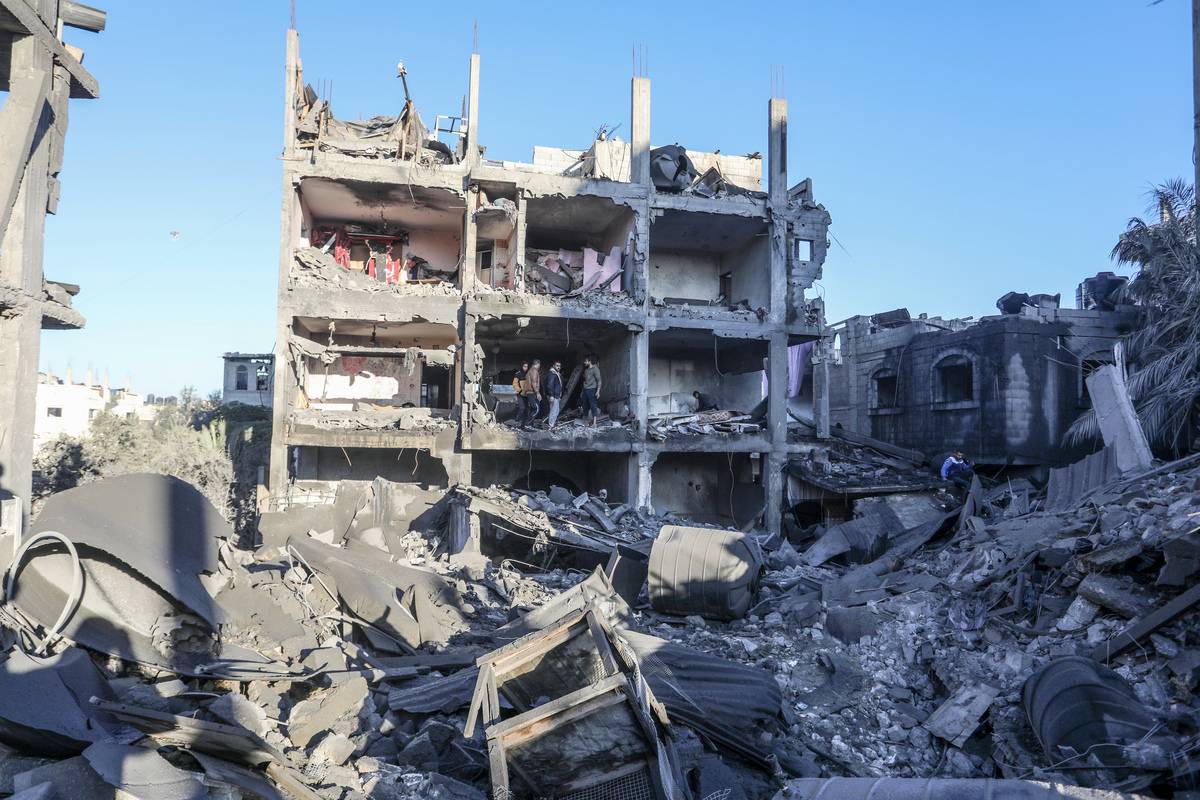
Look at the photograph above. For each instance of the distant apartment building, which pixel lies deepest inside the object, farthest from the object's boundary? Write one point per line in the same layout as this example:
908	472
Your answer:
64	407
248	378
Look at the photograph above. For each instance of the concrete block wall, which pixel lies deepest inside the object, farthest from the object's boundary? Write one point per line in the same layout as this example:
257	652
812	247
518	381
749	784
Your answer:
1025	395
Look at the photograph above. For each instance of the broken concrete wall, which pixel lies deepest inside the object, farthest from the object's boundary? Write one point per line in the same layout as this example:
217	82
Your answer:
683	274
674	375
364	464
750	273
709	487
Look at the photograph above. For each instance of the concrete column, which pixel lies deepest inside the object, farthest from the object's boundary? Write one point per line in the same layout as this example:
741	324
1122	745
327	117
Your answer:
472	141
472	371
777	152
21	266
639	377
821	396
639	154
285	384
777	381
645	463
1119	423
518	256
291	84
773	489
467	275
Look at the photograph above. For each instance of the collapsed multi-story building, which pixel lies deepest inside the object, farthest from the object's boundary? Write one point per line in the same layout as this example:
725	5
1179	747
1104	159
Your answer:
416	275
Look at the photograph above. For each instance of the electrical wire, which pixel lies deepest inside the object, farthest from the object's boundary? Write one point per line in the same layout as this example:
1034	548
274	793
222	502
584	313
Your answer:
73	597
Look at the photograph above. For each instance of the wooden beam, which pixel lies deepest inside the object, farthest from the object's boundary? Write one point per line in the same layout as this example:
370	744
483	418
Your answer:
1138	631
77	15
19	118
83	84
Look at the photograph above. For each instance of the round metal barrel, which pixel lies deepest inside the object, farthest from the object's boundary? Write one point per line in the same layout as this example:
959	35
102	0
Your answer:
705	571
1078	703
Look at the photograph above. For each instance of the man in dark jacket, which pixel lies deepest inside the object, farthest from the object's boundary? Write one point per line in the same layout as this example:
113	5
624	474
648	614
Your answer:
704	401
554	388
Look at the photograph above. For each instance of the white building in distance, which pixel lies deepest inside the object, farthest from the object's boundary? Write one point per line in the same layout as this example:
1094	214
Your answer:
66	407
249	379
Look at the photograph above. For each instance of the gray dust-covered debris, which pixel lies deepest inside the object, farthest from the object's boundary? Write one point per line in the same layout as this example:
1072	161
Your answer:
394	642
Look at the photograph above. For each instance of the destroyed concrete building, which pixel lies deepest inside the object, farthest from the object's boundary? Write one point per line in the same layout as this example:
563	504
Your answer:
1003	389
416	274
40	74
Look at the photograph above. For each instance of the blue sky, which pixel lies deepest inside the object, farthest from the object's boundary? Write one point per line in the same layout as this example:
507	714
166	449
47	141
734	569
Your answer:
964	149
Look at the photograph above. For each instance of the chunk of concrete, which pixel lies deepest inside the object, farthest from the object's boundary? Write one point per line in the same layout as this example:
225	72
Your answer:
334	749
1113	594
959	716
1119	423
142	772
848	625
319	713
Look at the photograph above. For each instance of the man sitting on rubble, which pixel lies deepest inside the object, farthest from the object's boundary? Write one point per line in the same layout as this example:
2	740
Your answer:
957	469
705	402
518	382
554	388
532	389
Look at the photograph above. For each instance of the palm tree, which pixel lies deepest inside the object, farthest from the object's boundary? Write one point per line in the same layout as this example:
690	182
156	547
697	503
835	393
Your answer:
1163	352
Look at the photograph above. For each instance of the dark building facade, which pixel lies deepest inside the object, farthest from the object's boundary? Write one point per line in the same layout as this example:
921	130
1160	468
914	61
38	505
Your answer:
1003	389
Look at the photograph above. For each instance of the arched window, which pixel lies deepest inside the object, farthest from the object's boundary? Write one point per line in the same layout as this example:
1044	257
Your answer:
954	379
242	379
883	389
837	348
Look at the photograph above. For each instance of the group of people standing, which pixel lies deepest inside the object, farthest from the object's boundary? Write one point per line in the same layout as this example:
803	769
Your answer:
532	387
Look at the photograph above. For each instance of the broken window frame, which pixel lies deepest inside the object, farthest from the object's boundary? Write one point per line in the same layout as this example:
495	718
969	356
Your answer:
241	378
955	361
876	397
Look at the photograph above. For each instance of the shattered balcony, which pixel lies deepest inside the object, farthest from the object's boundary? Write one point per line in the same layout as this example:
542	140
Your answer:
709	265
505	342
729	375
372	385
379	237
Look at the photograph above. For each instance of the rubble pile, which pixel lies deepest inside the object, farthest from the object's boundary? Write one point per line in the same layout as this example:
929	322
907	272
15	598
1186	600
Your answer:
578	297
314	268
387	642
660	427
369	416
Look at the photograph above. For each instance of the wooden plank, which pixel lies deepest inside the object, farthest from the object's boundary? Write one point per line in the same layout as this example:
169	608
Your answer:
499	654
1138	631
609	685
602	644
478	701
563	717
77	15
83	84
19	117
498	767
214	738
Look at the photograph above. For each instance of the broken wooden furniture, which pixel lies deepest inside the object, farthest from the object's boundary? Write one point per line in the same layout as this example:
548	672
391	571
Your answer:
586	720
